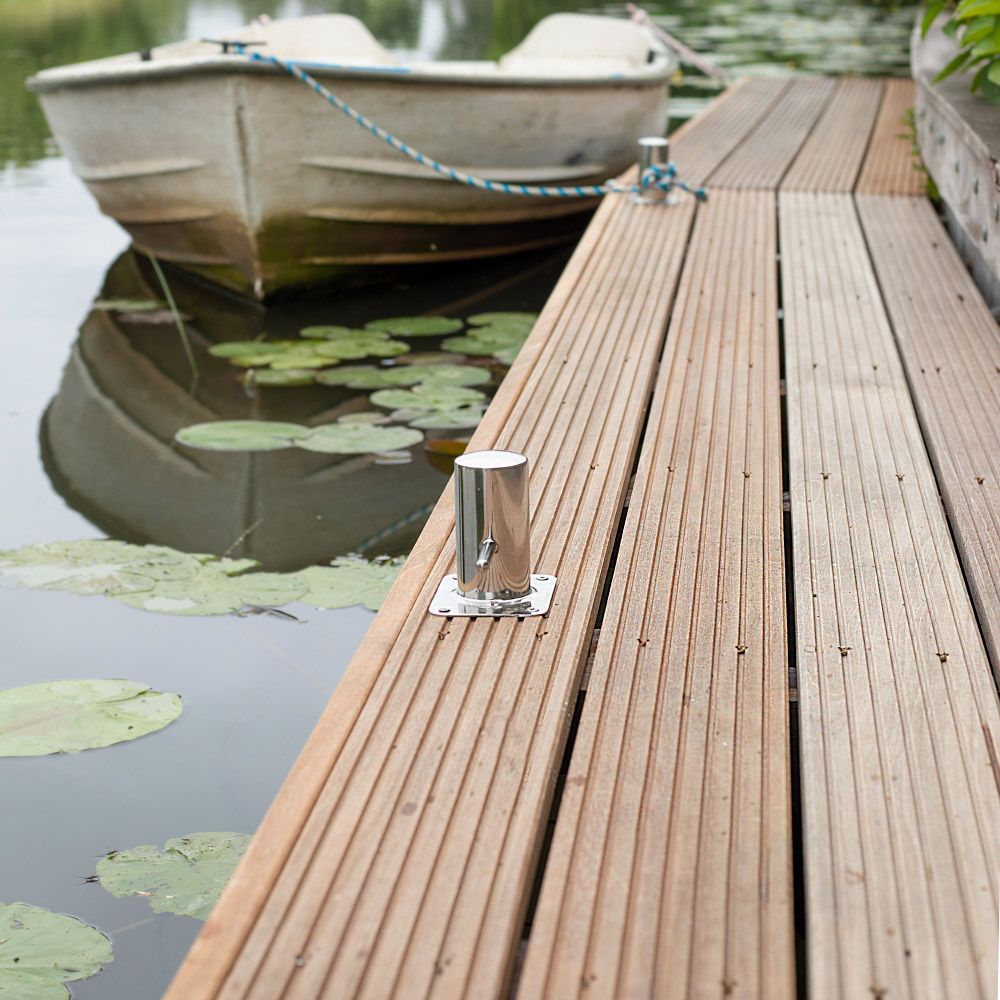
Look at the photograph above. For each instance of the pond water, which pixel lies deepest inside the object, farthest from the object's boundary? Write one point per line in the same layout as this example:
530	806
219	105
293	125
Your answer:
90	400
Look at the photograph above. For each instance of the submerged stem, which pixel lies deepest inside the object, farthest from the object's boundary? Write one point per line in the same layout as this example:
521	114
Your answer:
168	295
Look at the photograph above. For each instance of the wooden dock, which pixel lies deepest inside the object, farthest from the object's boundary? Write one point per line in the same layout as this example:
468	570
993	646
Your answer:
765	446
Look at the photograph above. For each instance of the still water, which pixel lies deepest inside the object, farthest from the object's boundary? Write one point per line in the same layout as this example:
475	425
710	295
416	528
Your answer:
86	443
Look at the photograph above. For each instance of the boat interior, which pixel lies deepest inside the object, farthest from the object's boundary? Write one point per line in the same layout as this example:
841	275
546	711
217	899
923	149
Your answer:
561	47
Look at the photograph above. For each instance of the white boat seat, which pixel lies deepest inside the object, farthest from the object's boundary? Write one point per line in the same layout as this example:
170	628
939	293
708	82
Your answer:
564	44
321	38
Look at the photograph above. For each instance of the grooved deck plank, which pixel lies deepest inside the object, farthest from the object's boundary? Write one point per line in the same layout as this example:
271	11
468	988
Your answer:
762	158
951	349
397	859
703	142
669	874
891	165
901	805
830	159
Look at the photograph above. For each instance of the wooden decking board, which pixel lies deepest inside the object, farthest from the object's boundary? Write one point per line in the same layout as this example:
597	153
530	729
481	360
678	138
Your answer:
432	718
831	157
761	160
891	165
703	142
900	804
669	874
950	346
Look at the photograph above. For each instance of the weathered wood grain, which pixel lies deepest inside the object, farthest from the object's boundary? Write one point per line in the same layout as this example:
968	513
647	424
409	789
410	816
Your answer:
831	157
670	871
901	807
891	163
761	159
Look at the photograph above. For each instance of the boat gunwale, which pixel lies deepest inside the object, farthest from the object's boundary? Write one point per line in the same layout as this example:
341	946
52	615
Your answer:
78	76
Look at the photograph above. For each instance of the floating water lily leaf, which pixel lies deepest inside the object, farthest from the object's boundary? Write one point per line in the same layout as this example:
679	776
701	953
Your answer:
185	599
358	439
363	344
175	582
242	435
427	397
41	950
294	361
186	877
427	358
129	305
66	716
243	349
329	332
507	354
152	317
416	326
370	377
468	345
363	418
525	320
350	580
279	377
354	377
458	419
462	375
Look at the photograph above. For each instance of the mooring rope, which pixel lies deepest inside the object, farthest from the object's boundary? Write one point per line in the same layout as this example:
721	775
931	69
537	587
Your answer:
662	176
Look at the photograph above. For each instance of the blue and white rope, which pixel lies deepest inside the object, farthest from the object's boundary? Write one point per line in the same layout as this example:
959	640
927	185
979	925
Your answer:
663	177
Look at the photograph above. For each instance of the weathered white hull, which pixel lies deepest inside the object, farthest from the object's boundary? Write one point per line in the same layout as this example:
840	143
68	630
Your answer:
240	173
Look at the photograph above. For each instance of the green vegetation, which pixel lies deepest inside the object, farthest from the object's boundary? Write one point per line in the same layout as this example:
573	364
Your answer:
975	27
67	716
186	877
40	951
158	578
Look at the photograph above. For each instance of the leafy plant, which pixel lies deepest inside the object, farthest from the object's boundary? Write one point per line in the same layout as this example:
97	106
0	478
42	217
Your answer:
186	877
975	26
41	951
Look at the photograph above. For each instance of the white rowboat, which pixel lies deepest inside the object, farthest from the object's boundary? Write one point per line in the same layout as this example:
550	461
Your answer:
232	169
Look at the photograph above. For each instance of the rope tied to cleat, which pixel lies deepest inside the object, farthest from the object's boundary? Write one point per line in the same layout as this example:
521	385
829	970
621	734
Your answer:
661	176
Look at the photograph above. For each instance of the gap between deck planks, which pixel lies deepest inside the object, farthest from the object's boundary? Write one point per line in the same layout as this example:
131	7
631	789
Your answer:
670	870
897	706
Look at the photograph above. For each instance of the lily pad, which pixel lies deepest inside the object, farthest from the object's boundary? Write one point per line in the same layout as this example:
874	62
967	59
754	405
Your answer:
243	349
186	877
365	344
358	439
279	376
350	580
525	320
416	326
427	397
329	332
242	435
507	355
129	305
66	716
427	358
152	317
294	361
40	951
366	417
468	345
459	419
370	377
174	582
355	377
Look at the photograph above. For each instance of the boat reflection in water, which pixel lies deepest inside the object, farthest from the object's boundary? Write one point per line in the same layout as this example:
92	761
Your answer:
108	435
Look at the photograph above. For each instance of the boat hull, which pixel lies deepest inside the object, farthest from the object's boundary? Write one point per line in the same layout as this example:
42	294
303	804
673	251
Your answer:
243	175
